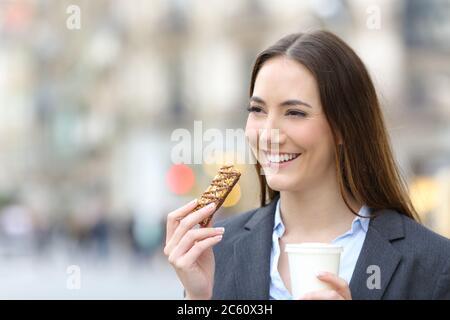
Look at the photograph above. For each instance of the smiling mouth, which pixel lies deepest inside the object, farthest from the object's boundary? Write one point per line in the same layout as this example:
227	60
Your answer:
281	157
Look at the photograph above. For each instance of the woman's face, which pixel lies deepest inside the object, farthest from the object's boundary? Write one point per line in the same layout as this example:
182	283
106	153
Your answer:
286	102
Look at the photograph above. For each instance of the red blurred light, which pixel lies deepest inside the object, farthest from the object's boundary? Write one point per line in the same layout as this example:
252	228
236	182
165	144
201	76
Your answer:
180	179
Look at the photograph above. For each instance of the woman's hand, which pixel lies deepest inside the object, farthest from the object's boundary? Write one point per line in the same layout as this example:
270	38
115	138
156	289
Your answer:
339	289
189	250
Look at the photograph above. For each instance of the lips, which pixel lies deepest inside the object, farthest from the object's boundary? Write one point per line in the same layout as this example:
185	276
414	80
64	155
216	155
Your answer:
281	157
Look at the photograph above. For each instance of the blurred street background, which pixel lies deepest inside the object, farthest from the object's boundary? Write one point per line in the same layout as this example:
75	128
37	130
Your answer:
92	91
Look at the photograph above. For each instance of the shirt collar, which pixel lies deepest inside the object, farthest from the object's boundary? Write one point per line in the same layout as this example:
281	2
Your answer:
364	222
279	228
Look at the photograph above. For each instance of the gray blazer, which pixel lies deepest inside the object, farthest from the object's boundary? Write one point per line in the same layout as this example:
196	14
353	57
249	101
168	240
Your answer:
414	262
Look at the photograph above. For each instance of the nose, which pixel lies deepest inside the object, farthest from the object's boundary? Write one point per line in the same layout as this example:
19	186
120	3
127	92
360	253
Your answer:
271	135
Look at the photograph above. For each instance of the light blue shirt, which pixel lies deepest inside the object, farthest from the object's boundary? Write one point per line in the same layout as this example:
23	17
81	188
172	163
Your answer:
352	241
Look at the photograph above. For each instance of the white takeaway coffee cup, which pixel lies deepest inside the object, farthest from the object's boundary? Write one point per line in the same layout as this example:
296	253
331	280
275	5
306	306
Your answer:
306	260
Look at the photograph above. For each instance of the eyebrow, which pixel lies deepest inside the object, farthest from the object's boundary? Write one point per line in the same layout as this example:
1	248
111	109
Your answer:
290	102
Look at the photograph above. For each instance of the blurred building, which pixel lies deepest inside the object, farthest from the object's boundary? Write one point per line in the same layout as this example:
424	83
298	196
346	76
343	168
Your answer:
87	114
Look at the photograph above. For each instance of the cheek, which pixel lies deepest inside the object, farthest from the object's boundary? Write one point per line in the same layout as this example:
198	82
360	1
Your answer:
251	131
252	123
314	137
305	136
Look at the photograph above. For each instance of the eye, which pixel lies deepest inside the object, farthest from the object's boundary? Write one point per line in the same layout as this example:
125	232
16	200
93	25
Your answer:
295	113
255	109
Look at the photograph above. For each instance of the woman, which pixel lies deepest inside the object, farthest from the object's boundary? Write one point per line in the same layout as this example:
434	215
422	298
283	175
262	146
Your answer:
333	179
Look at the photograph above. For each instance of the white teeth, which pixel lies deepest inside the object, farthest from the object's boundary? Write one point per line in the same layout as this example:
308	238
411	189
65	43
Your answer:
276	158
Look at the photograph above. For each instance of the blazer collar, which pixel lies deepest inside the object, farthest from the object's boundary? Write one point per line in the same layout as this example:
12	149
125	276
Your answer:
378	259
252	255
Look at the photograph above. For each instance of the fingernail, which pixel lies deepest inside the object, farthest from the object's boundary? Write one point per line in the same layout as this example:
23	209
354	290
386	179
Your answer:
220	229
211	205
219	237
321	274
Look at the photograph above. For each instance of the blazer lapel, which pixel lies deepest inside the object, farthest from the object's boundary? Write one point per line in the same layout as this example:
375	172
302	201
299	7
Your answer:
377	255
252	255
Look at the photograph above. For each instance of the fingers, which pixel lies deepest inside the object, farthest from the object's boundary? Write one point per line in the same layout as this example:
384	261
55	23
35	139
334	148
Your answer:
174	217
192	255
191	238
338	284
322	295
339	289
187	223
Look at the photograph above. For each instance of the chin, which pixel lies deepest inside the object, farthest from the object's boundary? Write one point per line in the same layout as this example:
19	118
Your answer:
277	183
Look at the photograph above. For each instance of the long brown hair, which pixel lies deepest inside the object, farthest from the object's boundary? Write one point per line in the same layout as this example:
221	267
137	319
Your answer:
365	165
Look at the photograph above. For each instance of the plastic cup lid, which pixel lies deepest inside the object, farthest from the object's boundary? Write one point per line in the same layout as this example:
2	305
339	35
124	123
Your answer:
311	247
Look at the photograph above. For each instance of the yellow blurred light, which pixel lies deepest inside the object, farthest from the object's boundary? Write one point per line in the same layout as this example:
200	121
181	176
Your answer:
423	192
218	159
234	197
